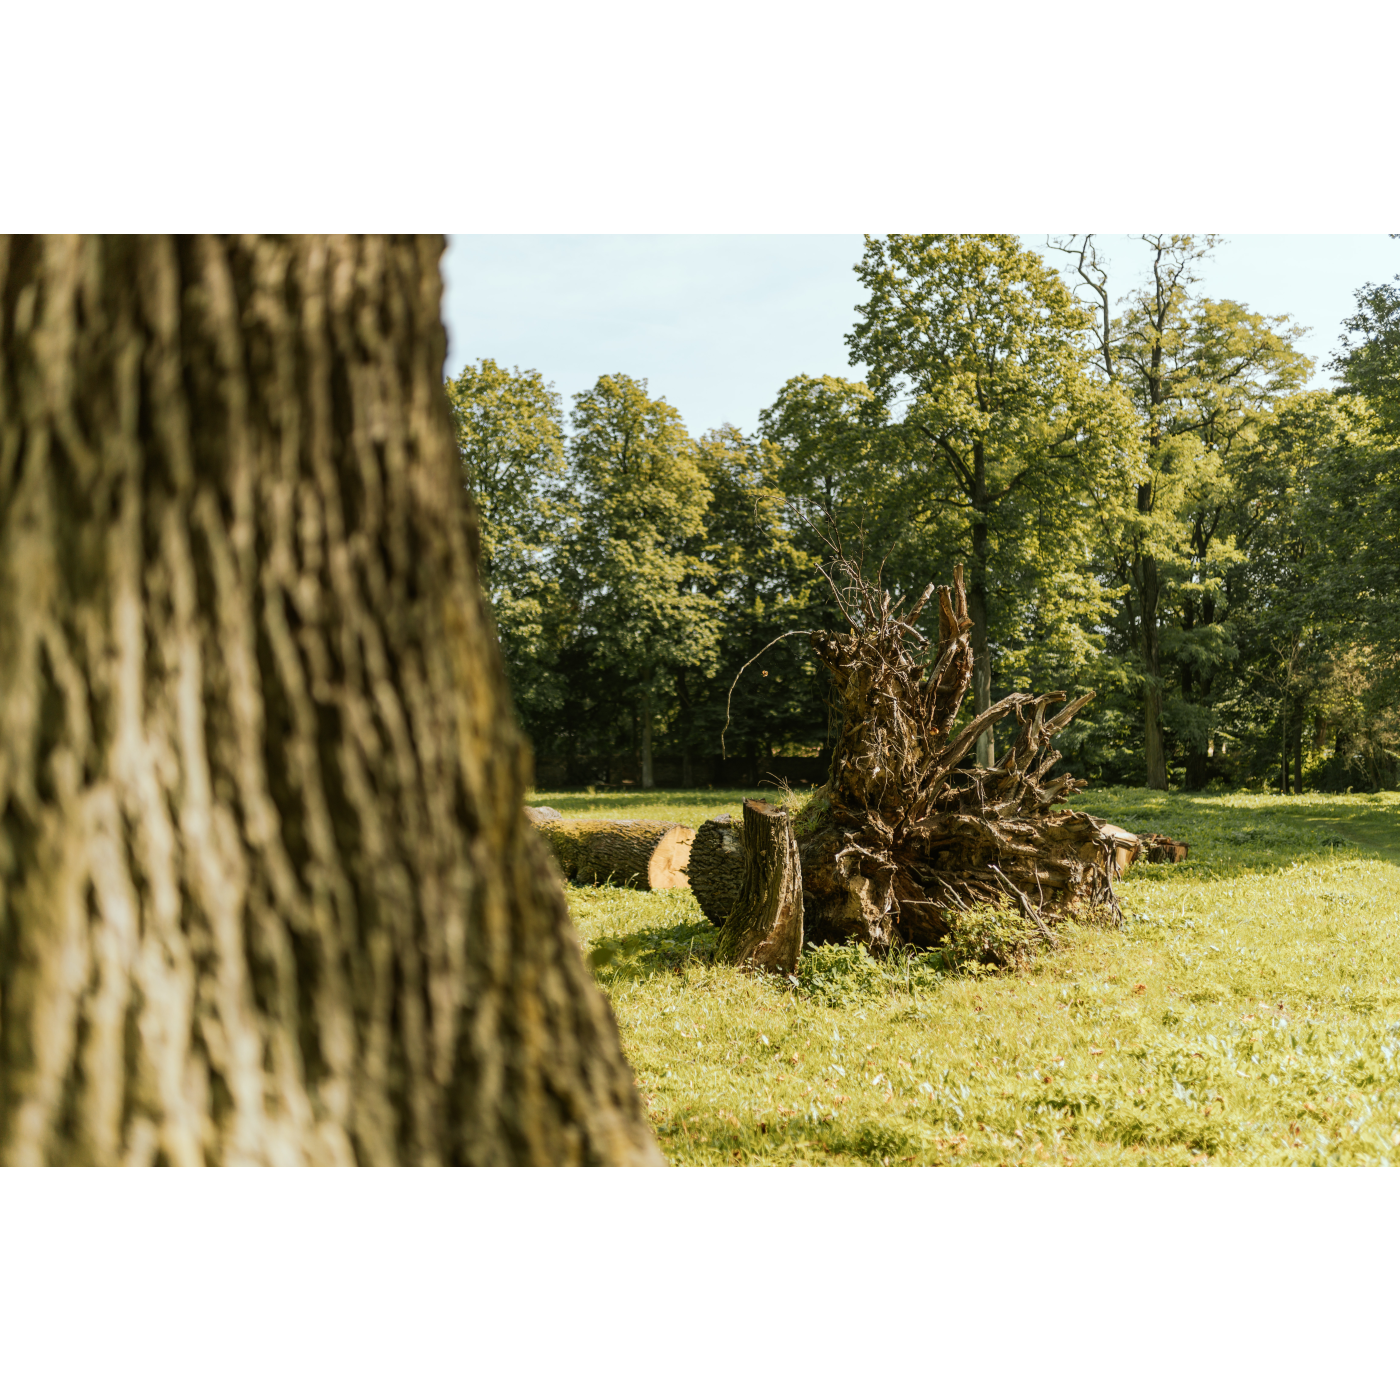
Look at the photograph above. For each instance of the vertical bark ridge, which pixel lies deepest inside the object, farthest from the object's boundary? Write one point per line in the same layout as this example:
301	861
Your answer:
266	892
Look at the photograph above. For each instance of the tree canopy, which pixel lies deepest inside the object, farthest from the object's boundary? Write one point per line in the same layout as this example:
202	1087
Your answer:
1146	495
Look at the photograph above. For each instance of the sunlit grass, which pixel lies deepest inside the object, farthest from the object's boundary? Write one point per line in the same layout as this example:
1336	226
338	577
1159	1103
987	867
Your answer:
690	807
1247	1012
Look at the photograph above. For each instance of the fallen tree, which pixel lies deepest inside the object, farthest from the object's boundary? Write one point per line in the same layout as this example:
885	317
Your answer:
905	837
645	855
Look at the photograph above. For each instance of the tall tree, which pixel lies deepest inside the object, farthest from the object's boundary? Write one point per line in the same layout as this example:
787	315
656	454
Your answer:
987	352
1285	597
266	890
1369	358
510	434
1200	374
762	584
642	496
1146	336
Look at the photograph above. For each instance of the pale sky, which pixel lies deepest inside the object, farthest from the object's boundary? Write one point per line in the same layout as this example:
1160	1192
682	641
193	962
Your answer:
717	323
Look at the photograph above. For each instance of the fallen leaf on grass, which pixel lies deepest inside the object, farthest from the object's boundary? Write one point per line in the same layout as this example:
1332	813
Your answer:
1141	987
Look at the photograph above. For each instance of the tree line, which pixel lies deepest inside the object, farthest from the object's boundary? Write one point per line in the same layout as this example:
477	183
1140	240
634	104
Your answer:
1145	497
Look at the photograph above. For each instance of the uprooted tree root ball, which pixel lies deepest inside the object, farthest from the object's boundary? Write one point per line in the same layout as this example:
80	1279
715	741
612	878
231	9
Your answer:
903	843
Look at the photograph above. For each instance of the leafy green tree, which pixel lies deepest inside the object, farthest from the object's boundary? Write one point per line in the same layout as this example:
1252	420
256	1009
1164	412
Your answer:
847	466
642	496
986	355
1287	620
1369	362
763	584
1200	375
838	463
510	436
1137	350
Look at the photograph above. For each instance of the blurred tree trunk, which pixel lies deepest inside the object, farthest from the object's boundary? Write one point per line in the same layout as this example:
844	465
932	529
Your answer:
1298	745
267	894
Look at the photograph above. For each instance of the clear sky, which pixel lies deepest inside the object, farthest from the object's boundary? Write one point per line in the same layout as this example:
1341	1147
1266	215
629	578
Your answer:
717	323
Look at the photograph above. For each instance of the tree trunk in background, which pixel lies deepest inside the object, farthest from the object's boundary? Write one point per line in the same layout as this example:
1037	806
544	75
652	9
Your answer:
1195	688
1298	747
687	731
1153	747
647	780
1197	768
977	607
1149	585
267	893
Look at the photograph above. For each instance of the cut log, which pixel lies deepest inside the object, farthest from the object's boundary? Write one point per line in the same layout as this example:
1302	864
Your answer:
1126	847
1163	850
536	815
764	928
644	855
717	867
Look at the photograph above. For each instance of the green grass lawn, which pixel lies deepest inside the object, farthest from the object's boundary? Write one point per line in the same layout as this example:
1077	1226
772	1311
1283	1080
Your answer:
1247	1011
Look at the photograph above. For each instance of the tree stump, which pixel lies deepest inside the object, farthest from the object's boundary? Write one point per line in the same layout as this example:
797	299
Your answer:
1163	850
717	867
906	836
764	927
645	855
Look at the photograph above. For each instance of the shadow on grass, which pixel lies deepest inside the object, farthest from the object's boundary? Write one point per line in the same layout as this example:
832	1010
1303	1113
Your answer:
642	956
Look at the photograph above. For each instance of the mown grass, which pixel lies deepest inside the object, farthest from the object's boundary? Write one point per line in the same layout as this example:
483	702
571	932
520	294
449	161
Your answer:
1247	1011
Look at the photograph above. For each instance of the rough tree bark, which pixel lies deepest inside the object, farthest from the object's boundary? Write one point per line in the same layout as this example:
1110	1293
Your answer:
267	893
764	927
645	855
